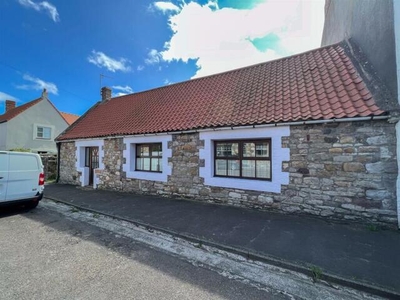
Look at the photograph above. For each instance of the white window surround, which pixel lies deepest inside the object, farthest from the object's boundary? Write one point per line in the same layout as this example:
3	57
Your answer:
130	156
279	155
35	131
80	160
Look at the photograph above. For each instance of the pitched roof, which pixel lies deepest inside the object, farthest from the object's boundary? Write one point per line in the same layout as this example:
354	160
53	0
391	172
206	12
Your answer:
69	118
324	83
7	116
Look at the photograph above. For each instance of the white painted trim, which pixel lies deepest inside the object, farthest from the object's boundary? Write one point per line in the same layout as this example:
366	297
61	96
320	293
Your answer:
130	154
52	132
80	160
279	155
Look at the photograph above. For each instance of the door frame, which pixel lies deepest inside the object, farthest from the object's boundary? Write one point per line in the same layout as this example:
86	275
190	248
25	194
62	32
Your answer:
83	172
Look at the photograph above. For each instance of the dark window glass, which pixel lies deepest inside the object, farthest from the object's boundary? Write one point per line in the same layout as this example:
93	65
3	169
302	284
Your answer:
149	157
246	159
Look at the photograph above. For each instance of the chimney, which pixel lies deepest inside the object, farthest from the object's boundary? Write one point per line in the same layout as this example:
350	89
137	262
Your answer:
10	104
105	94
44	94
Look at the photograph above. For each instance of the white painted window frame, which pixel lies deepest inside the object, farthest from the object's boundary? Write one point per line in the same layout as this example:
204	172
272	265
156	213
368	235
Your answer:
80	160
35	132
130	157
278	155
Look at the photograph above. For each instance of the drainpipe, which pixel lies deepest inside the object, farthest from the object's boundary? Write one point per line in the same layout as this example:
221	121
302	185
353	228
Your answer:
58	144
396	12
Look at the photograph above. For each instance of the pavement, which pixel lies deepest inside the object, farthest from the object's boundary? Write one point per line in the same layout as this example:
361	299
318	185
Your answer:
355	255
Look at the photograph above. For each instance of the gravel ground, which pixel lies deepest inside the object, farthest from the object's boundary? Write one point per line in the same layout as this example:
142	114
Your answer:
45	255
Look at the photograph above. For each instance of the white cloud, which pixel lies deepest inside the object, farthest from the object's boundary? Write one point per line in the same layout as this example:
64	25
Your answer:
221	39
38	85
4	97
45	6
124	90
166	7
102	60
167	82
153	57
140	68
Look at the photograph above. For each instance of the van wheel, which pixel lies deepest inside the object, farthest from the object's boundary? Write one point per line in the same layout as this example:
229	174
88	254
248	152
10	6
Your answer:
32	204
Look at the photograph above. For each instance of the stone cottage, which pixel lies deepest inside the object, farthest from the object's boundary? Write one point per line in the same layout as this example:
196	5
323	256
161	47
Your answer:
308	134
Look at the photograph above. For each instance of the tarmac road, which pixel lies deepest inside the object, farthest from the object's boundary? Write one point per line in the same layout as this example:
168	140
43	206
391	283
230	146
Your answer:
44	255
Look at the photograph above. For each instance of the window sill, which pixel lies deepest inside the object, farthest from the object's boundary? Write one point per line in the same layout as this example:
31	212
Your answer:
147	175
243	178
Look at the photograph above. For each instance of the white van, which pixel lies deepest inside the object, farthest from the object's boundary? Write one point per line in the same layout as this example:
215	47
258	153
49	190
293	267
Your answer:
21	178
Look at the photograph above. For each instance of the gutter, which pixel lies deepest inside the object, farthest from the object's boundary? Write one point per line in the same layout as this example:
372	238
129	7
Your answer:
296	123
58	144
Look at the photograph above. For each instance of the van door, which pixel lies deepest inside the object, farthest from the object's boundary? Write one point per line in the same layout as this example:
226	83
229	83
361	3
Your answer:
23	176
3	175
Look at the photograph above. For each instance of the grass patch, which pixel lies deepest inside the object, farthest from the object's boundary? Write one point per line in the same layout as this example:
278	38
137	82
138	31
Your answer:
372	227
316	273
74	210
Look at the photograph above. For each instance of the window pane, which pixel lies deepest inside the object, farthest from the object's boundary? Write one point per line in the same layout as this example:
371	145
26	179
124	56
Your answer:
146	164
144	150
87	151
160	164
40	132
262	149
220	167
248	168
143	164
263	169
249	150
156	150
233	167
46	132
227	149
155	162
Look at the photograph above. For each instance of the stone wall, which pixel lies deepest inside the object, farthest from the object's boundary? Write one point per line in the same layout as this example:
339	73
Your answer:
49	166
338	170
68	172
342	170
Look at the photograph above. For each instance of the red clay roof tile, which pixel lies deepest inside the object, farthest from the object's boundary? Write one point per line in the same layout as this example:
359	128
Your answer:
7	116
322	83
69	118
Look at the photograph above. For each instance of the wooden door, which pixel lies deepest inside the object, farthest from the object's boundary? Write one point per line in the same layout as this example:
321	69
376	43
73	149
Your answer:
91	161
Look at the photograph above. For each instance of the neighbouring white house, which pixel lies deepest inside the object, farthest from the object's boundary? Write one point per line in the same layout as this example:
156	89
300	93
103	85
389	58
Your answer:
33	125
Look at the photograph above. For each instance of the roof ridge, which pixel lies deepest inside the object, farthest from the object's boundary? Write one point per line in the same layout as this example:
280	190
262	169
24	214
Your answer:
231	71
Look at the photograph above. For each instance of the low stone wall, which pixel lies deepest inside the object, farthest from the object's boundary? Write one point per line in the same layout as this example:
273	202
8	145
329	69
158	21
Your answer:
49	166
343	171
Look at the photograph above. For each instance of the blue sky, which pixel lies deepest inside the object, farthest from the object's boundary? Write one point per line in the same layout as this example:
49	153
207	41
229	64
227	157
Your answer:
140	44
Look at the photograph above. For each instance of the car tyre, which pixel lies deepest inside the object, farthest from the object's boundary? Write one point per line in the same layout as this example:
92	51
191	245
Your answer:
32	204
